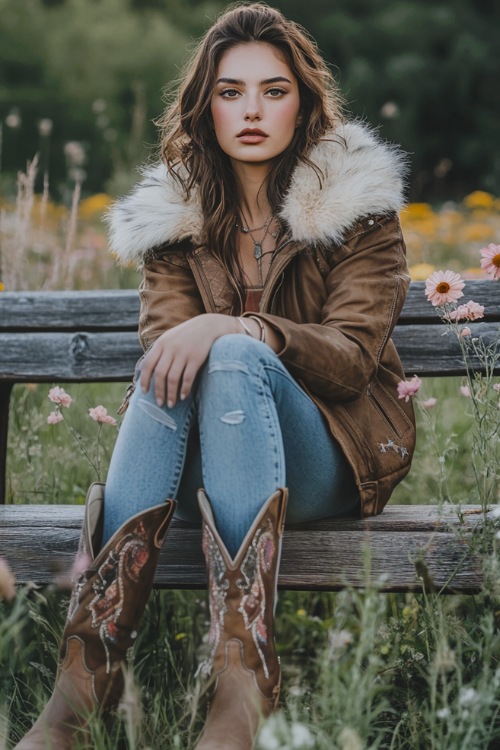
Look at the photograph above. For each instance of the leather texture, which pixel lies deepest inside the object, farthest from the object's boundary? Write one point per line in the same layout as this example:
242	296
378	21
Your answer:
106	604
243	665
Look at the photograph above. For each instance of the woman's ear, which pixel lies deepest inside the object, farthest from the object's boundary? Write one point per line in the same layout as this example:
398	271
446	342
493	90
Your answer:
299	120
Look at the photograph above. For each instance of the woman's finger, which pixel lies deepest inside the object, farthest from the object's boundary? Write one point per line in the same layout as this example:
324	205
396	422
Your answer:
174	379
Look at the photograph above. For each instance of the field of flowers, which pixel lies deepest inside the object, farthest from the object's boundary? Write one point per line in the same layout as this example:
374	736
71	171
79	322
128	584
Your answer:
361	669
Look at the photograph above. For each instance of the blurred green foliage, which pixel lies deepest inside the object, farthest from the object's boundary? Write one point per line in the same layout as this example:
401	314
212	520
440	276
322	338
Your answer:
93	71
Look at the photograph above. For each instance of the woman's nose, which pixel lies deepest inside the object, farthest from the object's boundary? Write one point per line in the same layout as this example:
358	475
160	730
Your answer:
252	111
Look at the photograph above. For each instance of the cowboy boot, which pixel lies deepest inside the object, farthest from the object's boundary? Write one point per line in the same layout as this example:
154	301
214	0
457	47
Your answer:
106	604
243	663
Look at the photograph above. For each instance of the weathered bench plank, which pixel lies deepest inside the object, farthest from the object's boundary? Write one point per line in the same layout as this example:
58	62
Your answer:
119	309
40	542
92	356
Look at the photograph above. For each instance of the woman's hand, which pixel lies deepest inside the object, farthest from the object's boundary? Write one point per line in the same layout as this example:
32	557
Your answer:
177	355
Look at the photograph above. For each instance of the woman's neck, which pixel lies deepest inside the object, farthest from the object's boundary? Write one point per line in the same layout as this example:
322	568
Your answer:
251	180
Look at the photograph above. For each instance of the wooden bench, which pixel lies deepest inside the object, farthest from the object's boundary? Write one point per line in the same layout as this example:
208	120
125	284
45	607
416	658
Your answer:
62	337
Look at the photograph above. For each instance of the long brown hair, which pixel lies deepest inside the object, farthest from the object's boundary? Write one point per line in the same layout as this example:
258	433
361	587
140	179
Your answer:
188	143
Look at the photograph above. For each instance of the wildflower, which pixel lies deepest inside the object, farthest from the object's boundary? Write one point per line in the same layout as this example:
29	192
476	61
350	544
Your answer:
443	713
490	261
7	581
479	199
338	640
407	388
54	417
100	414
430	403
276	734
471	311
468	696
350	739
59	396
442	287
2	286
466	331
496	387
80	565
301	612
465	391
420	271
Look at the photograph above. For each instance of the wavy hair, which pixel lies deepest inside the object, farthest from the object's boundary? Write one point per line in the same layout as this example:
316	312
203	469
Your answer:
188	145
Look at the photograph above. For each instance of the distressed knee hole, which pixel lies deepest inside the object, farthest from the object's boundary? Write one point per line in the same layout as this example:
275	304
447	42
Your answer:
157	413
233	417
228	367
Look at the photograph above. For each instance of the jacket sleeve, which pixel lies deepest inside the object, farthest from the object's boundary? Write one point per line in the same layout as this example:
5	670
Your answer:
168	293
366	287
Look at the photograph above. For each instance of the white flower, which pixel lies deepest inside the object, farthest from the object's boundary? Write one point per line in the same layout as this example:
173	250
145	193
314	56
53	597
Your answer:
301	736
350	739
468	696
495	513
443	713
277	734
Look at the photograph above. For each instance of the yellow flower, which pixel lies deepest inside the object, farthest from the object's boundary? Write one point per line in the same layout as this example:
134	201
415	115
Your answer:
180	636
478	232
2	286
479	199
94	205
417	211
301	612
421	271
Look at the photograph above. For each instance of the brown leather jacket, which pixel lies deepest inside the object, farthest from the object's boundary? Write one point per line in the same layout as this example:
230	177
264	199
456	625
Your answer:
334	291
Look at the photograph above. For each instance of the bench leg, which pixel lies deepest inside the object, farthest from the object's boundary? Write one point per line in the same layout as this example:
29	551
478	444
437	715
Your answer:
106	604
5	391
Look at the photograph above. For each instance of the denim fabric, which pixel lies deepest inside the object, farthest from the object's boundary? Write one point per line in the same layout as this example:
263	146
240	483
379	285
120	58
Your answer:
246	429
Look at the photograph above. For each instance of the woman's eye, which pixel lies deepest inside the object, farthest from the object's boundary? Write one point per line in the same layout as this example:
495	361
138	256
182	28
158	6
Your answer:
275	93
229	93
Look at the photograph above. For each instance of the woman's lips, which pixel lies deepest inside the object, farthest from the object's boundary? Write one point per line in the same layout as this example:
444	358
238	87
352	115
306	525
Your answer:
251	136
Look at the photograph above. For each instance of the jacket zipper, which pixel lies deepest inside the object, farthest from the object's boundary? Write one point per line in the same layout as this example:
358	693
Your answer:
278	270
378	406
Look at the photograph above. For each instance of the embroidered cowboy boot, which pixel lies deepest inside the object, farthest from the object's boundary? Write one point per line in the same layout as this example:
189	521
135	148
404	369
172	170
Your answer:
243	663
106	604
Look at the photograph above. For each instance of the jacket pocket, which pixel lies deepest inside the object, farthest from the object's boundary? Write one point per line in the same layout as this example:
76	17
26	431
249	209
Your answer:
388	409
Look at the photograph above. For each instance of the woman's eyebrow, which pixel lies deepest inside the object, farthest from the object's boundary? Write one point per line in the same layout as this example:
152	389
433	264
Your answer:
266	82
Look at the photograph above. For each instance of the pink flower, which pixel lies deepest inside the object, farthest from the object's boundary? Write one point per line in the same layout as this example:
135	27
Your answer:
466	331
54	417
80	565
7	581
444	286
496	387
470	311
490	262
430	403
100	414
465	391
59	396
407	388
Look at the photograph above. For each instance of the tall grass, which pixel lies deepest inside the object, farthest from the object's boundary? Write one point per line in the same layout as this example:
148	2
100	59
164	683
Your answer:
361	669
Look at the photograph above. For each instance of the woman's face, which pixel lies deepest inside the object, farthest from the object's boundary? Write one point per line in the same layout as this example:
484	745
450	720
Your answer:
255	104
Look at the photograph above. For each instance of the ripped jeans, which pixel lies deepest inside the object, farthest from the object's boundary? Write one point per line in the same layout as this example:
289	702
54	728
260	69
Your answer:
246	429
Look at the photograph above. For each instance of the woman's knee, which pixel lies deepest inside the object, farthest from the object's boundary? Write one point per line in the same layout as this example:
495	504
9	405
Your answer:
237	347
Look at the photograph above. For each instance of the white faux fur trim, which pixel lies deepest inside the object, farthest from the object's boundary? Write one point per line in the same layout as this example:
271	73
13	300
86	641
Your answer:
361	175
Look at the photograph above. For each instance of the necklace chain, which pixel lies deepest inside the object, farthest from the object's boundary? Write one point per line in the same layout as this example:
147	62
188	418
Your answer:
257	244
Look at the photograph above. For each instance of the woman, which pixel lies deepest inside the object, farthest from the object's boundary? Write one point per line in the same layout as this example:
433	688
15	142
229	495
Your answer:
274	272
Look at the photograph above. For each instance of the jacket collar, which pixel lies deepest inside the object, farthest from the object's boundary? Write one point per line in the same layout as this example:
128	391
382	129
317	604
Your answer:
362	175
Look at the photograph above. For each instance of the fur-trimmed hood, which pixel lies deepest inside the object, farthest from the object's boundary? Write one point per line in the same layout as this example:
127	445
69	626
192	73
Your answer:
361	175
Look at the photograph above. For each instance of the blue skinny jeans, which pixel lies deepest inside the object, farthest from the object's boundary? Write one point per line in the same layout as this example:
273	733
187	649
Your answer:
246	429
